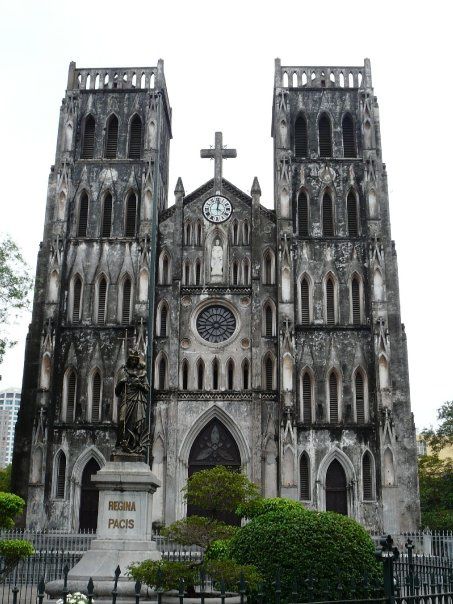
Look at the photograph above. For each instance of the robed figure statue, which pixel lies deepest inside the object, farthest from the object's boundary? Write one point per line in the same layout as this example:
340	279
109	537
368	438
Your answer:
132	390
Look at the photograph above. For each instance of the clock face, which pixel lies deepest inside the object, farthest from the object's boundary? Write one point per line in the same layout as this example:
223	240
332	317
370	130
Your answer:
217	209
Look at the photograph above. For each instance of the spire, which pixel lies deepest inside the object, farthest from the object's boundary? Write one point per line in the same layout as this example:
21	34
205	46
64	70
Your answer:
256	189
179	189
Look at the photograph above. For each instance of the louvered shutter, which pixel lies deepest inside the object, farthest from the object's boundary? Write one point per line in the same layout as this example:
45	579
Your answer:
131	214
107	216
359	398
304	477
300	137
306	398
330	302
269	321
348	137
88	138
333	398
126	310
77	295
269	374
327	216
96	401
162	373
353	223
305	302
245	375
71	396
302	209
367	477
325	137
61	476
83	216
111	143
355	293
163	321
102	298
135	138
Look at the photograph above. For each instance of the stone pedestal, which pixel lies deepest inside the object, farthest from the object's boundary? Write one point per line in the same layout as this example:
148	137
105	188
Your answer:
123	533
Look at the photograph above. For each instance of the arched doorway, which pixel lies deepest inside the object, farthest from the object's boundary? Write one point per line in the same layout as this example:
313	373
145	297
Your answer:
336	494
214	446
89	498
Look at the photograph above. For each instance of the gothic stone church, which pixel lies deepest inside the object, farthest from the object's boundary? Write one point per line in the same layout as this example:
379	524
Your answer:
273	336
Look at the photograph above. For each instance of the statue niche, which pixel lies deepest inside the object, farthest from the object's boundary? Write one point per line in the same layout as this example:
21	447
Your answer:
217	261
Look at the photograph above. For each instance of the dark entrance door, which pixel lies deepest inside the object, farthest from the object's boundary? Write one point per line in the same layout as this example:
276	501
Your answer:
89	498
336	495
214	446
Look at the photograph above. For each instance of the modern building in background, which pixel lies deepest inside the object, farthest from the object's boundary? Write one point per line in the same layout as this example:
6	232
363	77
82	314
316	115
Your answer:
277	344
9	408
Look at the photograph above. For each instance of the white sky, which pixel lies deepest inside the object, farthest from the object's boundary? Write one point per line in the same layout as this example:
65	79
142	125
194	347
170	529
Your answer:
219	62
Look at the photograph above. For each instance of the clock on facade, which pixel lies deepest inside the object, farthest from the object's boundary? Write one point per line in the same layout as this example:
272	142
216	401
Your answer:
217	209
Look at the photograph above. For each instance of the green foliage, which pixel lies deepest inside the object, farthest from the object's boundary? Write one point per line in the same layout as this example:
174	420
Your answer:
15	285
197	530
260	506
219	490
164	574
298	543
441	437
229	573
16	549
218	550
5	479
10	506
436	492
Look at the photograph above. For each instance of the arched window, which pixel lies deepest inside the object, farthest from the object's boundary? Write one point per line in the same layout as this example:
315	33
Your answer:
268	268
245	375
305	301
162	373
301	137
246	271
325	136
70	392
246	232
333	398
197	233
302	214
135	137
102	300
164	269
186	273
126	302
268	373
307	394
359	397
131	215
44	381
187	233
76	299
60	475
330	302
235	233
200	375
353	218
198	272
355	301
348	137
304	473
111	137
96	388
88	138
235	273
230	375
215	374
367	476
83	215
106	230
163	321
185	374
327	216
268	320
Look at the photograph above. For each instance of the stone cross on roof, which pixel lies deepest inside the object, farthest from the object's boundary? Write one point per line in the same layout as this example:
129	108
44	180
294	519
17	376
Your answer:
218	153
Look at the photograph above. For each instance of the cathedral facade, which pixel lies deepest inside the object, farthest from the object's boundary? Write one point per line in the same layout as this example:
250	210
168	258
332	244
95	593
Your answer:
273	338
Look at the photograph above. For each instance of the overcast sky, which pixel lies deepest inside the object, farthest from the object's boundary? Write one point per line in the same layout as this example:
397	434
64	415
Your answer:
219	62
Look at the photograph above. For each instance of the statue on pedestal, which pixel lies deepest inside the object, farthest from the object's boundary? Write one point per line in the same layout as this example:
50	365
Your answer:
132	390
216	261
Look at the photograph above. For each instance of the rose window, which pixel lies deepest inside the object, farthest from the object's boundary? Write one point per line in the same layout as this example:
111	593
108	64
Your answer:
216	324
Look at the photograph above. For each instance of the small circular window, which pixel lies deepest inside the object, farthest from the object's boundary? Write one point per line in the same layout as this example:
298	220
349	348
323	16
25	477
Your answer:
216	324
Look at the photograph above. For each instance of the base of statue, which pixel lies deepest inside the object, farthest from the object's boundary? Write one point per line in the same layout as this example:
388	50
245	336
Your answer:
123	535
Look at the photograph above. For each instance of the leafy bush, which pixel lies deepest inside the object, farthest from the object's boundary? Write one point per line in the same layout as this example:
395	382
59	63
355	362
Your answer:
198	530
164	574
13	551
298	544
229	574
10	506
260	506
218	550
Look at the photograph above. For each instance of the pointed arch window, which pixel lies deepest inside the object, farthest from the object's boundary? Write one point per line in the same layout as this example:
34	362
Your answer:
235	272
355	301
360	397
333	398
126	302
163	321
187	233
106	230
131	215
348	137
96	397
230	375
328	229
198	272
83	216
164	269
307	402
367	476
215	374
246	271
102	301
76	299
88	138
305	301
302	214
235	233
246	232
330	302
111	137
325	136
245	374
197	233
268	320
70	395
135	137
268	268
304	474
200	375
60	478
353	218
268	373
186	273
301	137
162	373
185	374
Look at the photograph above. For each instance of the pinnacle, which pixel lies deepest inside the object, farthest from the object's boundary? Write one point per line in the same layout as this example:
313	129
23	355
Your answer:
179	187
256	189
